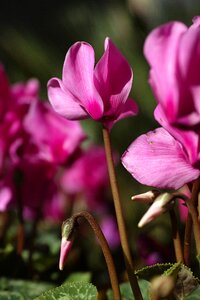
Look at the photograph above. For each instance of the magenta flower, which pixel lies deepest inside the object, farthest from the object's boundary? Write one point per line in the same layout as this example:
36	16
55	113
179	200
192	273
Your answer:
88	176
173	52
57	138
169	157
157	159
100	92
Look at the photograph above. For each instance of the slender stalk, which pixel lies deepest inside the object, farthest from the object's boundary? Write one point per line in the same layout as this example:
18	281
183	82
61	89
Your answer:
176	236
187	239
106	251
192	206
21	230
120	217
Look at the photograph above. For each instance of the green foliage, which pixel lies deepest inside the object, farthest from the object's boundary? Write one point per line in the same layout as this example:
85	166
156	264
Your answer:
11	296
71	291
149	272
21	289
127	294
80	277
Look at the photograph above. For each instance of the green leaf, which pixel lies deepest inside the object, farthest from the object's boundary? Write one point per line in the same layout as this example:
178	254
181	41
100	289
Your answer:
71	291
11	296
198	257
27	289
149	272
126	291
195	295
79	276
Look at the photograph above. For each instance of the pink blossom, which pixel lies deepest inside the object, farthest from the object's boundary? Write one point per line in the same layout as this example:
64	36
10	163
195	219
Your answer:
88	176
157	159
169	157
56	139
34	142
100	92
173	52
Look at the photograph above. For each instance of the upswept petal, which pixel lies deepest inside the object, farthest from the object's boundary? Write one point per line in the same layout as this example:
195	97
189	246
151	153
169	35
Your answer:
157	159
189	65
130	108
188	138
63	101
160	50
78	78
113	79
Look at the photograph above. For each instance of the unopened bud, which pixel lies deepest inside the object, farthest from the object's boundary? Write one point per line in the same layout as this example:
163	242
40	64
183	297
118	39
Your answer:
66	242
147	197
162	287
159	206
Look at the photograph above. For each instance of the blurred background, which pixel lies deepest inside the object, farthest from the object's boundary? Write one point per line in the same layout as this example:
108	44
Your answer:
35	36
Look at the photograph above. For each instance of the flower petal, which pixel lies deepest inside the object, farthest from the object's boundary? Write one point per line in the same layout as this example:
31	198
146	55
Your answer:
188	138
130	108
157	159
78	78
161	48
64	102
113	79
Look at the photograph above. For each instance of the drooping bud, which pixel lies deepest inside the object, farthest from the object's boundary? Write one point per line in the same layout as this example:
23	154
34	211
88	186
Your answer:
67	240
147	197
160	205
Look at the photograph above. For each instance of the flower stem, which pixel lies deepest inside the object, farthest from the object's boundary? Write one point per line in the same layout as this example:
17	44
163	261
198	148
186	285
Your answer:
187	239
105	248
120	217
192	206
176	236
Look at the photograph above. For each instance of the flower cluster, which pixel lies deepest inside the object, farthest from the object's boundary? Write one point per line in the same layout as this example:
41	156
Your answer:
34	141
169	157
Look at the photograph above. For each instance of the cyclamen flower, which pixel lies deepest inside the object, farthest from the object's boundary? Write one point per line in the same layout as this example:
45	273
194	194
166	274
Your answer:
88	176
173	52
99	92
157	159
169	157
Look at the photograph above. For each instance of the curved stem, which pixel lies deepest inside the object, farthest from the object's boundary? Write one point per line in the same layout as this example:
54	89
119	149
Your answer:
176	236
120	217
106	251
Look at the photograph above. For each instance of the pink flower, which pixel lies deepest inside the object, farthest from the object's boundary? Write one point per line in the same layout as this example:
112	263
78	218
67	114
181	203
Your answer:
169	157
173	52
157	159
99	92
54	138
88	176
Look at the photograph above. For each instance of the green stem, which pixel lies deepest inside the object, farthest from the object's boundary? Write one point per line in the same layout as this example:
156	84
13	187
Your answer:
120	217
105	249
176	236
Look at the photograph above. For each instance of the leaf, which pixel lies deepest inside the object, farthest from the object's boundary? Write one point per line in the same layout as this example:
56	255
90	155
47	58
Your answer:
11	296
186	283
149	272
126	291
79	276
194	295
27	289
198	257
71	291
